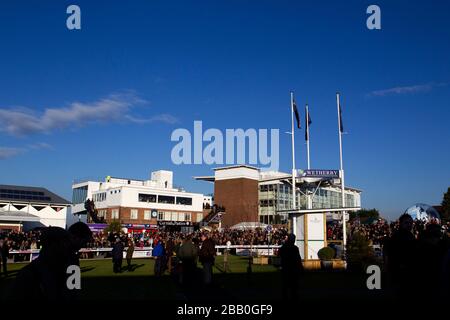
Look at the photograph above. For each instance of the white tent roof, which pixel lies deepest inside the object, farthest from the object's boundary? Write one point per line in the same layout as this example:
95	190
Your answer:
248	225
18	216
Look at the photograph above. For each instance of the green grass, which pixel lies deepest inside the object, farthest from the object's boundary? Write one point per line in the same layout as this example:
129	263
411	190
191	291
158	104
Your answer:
100	283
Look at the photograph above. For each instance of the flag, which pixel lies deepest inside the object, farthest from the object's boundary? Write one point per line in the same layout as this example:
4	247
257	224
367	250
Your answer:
308	122
297	116
341	126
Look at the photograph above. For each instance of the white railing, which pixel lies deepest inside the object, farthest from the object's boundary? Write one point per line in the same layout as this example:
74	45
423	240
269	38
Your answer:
145	252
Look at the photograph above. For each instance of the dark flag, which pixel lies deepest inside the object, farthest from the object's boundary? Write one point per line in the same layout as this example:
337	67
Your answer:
341	126
297	116
308	122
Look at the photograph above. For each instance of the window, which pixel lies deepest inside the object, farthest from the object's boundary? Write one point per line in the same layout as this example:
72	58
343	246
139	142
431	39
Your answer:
184	201
143	197
166	199
115	214
167	216
99	197
134	214
160	215
199	217
79	195
187	217
101	213
147	215
174	216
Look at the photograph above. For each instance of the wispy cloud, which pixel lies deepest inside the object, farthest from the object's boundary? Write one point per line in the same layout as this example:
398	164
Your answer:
165	118
40	146
9	152
407	89
115	108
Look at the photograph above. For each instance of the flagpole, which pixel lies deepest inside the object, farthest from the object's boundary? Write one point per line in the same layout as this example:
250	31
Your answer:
344	227
294	207
307	134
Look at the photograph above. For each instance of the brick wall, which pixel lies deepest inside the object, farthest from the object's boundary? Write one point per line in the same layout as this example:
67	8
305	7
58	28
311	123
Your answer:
240	199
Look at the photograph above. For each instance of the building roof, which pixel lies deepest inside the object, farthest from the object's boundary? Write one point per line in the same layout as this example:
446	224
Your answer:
18	216
25	194
237	166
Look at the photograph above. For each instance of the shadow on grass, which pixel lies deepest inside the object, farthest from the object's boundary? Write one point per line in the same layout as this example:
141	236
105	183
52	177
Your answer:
132	267
86	269
226	286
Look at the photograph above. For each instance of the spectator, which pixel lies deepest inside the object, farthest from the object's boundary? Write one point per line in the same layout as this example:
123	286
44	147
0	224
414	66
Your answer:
117	256
291	268
207	255
130	251
159	253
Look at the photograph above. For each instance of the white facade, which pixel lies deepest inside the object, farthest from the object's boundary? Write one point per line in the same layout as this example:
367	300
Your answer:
157	193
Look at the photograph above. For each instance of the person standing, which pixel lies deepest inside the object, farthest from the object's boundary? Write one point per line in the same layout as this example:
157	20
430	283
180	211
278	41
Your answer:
401	255
291	268
117	255
5	254
207	255
169	253
158	252
188	255
130	251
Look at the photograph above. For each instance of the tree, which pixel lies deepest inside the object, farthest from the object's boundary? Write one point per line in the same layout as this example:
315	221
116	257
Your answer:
114	227
446	206
365	214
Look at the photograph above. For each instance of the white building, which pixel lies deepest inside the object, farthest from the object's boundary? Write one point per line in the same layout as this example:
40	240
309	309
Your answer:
25	208
141	203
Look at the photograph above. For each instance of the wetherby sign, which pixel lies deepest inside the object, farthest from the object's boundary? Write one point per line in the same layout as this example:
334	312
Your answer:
319	173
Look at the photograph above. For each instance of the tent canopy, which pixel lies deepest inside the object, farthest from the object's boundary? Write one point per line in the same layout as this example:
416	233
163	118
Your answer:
248	226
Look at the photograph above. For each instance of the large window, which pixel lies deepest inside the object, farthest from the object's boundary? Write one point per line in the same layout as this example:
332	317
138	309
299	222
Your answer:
144	197
184	201
166	199
134	214
115	214
79	195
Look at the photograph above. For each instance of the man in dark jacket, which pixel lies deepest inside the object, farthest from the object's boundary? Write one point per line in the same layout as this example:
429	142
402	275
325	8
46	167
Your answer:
4	255
206	256
188	254
291	268
401	254
117	256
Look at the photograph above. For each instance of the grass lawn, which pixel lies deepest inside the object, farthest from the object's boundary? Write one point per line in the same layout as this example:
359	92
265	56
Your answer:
98	282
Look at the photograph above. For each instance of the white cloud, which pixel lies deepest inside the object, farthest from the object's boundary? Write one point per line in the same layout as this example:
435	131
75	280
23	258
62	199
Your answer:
115	108
407	89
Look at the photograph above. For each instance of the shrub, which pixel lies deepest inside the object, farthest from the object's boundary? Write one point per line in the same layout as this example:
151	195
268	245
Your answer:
359	253
326	253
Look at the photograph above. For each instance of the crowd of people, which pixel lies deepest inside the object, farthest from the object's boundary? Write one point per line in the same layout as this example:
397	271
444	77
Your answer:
379	230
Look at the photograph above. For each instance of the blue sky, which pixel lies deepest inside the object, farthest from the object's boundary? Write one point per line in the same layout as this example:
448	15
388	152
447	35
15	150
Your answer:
104	100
